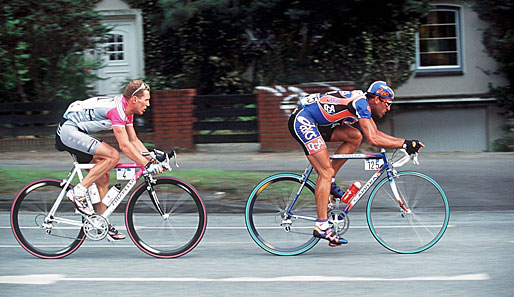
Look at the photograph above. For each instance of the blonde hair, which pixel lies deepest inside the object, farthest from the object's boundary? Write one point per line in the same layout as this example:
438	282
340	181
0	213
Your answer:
133	86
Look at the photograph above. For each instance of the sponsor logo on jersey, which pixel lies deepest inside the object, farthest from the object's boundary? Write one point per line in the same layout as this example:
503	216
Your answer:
315	145
307	100
332	100
306	128
329	108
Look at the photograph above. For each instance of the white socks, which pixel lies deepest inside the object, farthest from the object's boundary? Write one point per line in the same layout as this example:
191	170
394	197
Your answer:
322	224
79	190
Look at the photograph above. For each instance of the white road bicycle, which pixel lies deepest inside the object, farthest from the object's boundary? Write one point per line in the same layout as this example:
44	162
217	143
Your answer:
165	216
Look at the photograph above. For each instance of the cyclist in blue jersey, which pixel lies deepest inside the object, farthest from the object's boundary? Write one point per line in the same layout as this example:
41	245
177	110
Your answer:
99	114
321	118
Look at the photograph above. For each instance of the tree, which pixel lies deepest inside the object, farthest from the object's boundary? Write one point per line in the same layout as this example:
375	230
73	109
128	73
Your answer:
43	49
233	45
498	39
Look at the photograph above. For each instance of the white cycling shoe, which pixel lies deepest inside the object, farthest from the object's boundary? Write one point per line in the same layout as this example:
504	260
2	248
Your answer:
80	202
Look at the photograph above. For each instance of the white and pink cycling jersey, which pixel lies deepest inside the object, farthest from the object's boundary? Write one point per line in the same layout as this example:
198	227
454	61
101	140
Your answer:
99	113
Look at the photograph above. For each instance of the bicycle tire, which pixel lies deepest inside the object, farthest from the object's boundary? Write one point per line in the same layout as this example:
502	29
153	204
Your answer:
28	211
408	233
175	235
265	209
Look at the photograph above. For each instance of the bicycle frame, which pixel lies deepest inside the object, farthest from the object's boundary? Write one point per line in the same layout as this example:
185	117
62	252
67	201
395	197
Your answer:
386	167
77	171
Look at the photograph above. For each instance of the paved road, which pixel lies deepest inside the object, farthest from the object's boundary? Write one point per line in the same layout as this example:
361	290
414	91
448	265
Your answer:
474	258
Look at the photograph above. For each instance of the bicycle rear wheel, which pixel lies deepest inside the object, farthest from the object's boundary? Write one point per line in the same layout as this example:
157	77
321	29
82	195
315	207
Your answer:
413	232
178	231
266	219
50	239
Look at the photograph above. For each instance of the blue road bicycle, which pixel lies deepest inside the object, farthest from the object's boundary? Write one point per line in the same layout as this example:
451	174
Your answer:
407	211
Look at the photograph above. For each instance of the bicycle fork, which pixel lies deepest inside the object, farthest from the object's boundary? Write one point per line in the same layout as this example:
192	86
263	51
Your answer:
391	174
153	196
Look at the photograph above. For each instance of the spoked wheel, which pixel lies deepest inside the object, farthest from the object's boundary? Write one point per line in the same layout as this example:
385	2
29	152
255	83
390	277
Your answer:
178	230
269	225
38	233
415	230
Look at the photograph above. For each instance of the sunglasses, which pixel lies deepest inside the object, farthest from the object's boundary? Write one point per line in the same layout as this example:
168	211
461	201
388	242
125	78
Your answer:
142	87
387	102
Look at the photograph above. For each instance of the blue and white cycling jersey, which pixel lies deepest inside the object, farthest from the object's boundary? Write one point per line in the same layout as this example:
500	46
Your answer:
325	111
337	106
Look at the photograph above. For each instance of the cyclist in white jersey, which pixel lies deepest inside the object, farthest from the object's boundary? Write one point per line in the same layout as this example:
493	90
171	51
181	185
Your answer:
99	114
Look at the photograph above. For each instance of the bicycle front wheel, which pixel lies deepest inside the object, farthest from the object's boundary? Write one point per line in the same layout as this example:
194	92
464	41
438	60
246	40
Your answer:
269	225
415	230
178	230
38	233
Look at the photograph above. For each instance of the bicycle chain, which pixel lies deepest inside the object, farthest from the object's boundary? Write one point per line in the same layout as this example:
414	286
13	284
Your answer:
50	233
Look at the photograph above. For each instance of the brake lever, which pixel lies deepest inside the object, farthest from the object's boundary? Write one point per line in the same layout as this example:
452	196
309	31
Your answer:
174	155
415	159
162	157
406	158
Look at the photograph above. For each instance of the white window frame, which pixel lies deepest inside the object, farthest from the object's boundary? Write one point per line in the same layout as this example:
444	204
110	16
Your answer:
444	69
116	51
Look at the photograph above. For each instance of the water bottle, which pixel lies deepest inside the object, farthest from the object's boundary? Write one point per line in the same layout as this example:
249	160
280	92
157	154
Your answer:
348	195
93	194
111	194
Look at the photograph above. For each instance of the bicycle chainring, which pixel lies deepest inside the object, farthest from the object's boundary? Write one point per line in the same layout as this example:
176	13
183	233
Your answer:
339	221
96	227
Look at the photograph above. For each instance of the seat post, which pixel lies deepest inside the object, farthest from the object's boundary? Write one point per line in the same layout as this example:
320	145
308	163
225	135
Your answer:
74	157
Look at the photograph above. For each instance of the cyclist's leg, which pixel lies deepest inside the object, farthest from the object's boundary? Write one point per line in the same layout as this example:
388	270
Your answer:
305	130
351	139
88	149
321	163
102	184
105	158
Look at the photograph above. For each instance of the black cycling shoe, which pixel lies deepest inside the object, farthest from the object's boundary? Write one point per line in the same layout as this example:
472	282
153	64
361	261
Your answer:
336	191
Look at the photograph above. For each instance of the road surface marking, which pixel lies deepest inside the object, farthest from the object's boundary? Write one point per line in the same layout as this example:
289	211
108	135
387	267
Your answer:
244	228
47	279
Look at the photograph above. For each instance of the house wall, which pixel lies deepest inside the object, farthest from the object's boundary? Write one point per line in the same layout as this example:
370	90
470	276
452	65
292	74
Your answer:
473	122
478	68
128	22
112	5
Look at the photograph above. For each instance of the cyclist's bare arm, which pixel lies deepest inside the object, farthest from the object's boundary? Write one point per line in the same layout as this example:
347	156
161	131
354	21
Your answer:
377	138
131	132
128	147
